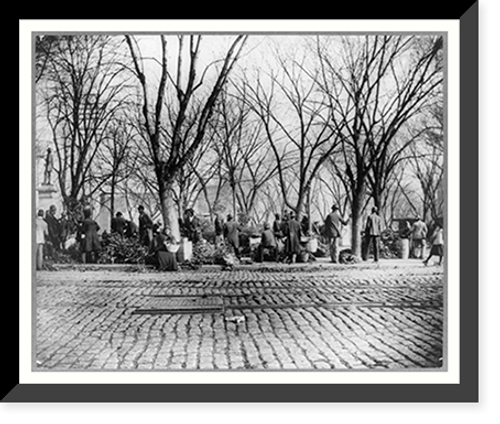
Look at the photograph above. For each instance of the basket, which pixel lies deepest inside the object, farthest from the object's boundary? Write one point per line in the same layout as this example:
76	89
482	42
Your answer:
173	248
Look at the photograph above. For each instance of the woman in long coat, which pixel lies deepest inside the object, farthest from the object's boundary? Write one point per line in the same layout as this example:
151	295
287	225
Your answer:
293	232
90	243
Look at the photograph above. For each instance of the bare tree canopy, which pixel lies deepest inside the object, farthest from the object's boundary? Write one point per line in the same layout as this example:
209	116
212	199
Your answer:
183	105
256	123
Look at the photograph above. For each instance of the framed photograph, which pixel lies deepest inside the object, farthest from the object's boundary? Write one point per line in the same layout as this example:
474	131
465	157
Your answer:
248	210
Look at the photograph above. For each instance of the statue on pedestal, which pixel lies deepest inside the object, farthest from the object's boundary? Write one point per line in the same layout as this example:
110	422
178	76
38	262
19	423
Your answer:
49	164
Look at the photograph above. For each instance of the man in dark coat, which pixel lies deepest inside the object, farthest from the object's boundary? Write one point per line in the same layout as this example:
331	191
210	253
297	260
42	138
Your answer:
219	229
333	231
293	233
54	230
145	227
232	234
267	244
373	230
118	224
90	244
192	226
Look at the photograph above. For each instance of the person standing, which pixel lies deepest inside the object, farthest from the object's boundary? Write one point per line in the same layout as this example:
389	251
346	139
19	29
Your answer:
333	231
54	230
118	224
192	226
304	224
232	234
418	234
267	244
293	233
42	232
219	230
373	230
145	227
90	243
437	244
278	234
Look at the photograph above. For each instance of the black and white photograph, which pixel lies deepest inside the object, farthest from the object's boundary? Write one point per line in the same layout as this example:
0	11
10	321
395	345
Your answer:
239	201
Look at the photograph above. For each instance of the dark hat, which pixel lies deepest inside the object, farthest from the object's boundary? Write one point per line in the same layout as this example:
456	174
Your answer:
334	207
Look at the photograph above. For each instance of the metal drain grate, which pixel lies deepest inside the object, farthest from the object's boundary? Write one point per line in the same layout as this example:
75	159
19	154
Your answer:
179	305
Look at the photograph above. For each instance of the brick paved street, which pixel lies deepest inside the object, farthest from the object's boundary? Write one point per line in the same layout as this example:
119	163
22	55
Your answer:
314	316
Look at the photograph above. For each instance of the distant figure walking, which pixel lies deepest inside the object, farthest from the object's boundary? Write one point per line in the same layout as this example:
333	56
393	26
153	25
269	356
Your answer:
333	231
145	227
42	232
293	233
418	234
373	230
437	244
90	244
232	234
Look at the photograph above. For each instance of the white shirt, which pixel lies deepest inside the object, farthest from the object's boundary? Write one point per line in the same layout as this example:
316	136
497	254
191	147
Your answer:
41	230
438	237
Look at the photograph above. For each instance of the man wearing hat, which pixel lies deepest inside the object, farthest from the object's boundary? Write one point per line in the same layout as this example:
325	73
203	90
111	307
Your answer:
333	231
145	227
373	230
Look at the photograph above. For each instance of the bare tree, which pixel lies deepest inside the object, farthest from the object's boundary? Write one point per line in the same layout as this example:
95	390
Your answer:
190	107
296	122
241	147
374	85
427	163
83	89
116	161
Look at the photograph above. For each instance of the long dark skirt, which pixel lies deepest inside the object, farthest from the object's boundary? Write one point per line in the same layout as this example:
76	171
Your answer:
166	261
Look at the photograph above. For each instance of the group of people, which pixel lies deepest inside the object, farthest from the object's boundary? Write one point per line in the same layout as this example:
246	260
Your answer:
418	233
281	241
51	232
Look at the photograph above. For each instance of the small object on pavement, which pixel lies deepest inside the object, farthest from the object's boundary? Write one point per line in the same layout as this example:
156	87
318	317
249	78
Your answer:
236	319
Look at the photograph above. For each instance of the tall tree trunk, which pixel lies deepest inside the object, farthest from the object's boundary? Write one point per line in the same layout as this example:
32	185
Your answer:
233	189
168	210
357	224
301	204
112	200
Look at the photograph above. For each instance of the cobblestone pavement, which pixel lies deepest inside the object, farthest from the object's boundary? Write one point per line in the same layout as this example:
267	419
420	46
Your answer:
259	317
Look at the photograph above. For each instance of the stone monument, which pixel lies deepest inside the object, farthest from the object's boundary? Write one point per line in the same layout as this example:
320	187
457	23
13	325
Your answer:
46	189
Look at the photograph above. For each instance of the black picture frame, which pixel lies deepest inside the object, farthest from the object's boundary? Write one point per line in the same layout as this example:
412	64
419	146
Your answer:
465	391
